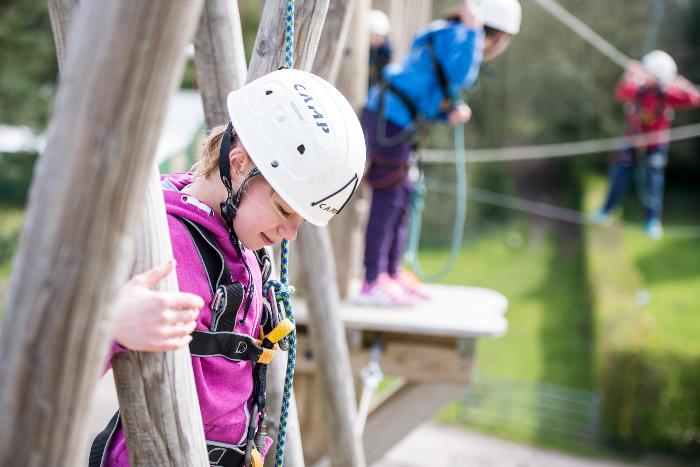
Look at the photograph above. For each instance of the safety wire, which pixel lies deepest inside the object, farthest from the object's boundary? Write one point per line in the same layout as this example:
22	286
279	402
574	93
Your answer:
418	202
283	290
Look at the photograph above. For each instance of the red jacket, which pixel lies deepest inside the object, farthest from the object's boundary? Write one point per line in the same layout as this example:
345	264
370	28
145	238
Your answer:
651	108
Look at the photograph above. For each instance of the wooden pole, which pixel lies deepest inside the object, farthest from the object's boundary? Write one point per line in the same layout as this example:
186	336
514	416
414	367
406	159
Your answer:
407	18
219	57
333	39
101	142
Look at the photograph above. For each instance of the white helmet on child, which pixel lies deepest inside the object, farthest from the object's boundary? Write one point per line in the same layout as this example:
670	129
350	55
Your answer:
661	66
504	15
305	139
378	23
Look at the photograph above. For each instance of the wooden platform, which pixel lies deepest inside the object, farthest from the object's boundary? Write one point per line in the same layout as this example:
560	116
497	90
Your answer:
431	347
453	311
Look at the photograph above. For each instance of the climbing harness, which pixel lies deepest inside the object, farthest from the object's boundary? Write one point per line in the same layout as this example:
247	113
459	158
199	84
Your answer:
418	202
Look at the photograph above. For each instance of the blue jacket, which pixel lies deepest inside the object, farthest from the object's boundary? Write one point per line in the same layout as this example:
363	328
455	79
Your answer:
459	51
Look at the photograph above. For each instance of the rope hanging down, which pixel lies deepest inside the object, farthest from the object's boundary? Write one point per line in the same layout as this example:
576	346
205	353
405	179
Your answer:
283	290
460	216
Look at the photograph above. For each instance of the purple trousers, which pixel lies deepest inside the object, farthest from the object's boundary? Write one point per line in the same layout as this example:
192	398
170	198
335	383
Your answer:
390	211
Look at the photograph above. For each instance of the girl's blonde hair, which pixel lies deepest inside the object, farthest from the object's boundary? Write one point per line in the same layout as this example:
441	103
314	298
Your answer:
208	161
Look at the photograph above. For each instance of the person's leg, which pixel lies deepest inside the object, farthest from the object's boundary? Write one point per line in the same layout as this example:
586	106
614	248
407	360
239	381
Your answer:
379	236
398	246
620	175
657	159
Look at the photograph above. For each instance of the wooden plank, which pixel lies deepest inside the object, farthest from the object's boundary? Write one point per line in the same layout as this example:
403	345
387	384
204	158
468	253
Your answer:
73	256
454	311
406	408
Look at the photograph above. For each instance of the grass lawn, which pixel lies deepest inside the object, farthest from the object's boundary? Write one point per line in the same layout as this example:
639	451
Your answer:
548	314
11	218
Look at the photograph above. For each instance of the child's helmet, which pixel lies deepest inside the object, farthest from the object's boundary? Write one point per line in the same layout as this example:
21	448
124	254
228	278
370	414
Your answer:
504	15
305	139
378	23
661	66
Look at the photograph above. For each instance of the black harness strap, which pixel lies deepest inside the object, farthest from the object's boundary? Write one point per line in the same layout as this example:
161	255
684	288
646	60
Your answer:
98	450
227	296
232	346
439	70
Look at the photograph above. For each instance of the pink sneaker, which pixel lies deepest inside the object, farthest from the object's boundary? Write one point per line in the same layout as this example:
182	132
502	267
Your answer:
411	285
383	291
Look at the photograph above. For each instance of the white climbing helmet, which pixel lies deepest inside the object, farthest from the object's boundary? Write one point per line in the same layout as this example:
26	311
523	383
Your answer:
661	66
504	15
378	23
305	139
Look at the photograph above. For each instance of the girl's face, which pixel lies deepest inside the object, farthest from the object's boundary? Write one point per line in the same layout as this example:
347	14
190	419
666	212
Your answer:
263	218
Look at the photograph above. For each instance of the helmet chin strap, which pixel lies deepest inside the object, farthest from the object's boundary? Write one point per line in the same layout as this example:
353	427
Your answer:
229	207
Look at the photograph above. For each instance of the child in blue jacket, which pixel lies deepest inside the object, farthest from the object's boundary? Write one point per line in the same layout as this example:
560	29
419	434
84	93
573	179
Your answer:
443	61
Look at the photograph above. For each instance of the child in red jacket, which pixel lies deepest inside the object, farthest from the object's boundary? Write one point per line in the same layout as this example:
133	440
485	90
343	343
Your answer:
651	91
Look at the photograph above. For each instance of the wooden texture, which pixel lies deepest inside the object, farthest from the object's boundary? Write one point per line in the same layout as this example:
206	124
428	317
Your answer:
333	39
61	14
156	391
328	339
416	362
100	146
219	57
268	51
408	407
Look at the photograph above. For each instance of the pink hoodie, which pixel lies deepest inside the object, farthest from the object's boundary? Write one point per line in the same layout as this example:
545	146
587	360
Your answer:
224	387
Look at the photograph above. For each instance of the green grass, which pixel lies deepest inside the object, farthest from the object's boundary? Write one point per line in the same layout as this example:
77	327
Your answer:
11	218
656	279
548	312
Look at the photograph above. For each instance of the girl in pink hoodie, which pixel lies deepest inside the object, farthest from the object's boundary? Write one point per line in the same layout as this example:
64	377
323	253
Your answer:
293	151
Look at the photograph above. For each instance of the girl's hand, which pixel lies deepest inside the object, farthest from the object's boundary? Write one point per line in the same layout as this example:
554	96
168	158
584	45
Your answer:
460	114
471	16
154	321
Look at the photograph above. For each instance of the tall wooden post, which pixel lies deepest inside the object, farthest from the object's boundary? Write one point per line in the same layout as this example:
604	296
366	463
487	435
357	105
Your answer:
407	18
219	57
84	203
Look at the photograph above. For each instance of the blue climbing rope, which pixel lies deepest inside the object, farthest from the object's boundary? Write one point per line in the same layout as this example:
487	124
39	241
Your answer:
283	290
283	293
418	203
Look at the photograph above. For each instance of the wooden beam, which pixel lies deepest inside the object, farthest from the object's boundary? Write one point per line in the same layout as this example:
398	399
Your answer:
412	361
219	57
72	257
328	339
406	408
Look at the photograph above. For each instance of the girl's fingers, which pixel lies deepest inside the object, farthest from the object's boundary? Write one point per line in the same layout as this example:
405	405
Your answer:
153	276
183	301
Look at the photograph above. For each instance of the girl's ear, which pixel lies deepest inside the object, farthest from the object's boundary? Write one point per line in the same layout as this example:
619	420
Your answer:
239	161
